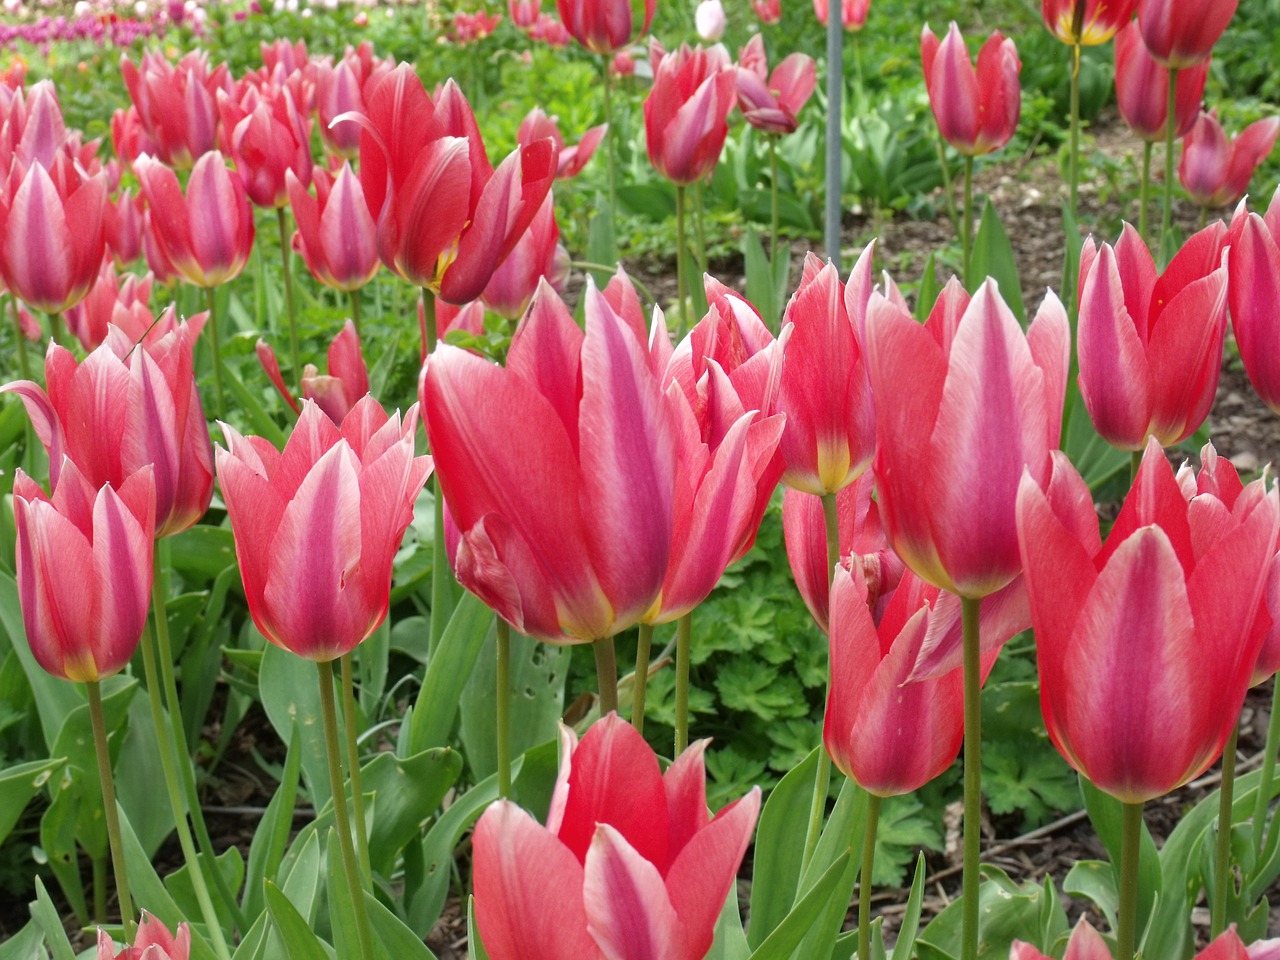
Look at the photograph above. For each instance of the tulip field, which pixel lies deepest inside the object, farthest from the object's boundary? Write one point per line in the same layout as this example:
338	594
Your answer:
639	480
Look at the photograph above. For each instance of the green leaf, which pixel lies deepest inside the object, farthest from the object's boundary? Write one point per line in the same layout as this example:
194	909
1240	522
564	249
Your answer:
201	553
252	410
655	200
300	943
147	806
342	911
266	850
400	942
254	944
903	829
229	863
788	934
55	698
993	257
27	943
18	784
602	245
1106	813
1094	880
475	946
779	849
406	791
929	290
845	832
730	940
45	914
761	289
910	928
1095	459
1009	912
447	673
289	688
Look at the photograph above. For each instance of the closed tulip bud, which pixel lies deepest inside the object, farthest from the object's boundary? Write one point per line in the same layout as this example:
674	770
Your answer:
853	13
709	20
603	26
977	111
523	13
1216	168
123	223
686	112
128	137
1181	33
336	235
1086	22
1142	89
1253	265
267	140
769	11
177	104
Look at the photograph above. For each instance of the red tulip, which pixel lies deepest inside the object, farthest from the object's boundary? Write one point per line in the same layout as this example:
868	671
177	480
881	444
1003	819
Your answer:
1216	168
569	160
524	13
986	403
207	234
267	137
1142	89
336	393
1181	33
1151	348
340	89
153	942
1087	944
1254	291
128	137
176	104
1145	643
1086	22
772	103
769	11
603	26
336	234
122	301
534	257
977	112
685	113
576	550
552	32
630	864
122	227
318	525
84	569
853	13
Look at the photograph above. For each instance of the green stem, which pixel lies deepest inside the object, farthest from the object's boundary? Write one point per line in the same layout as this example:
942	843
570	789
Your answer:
606	674
1144	191
1135	463
350	723
111	814
609	150
216	344
504	708
1222	860
1171	126
283	220
940	145
864	878
700	233
1075	130
169	770
100	890
966	225
773	198
441	574
24	365
1131	835
429	319
1263	801
341	820
684	657
56	332
1204	219
970	611
681	279
355	310
834	205
859	87
641	684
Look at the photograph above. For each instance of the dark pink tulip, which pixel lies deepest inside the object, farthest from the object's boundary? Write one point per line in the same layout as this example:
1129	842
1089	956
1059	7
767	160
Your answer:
603	26
1086	22
986	404
772	102
630	862
1142	89
1181	33
336	234
569	159
524	13
128	137
1216	168
340	89
769	11
853	13
36	128
338	391
177	104
685	113
1151	347
1253	265
122	301
318	525
285	55
267	137
534	257
1146	643
977	111
153	942
122	227
1087	944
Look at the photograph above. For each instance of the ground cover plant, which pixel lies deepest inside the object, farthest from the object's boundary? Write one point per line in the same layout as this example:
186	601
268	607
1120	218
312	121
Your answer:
763	475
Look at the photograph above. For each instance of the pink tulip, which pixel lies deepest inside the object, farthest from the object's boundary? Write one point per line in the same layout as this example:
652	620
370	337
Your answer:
602	26
1087	944
630	864
470	27
112	299
986	403
1086	22
569	160
340	89
685	113
534	257
318	524
337	392
709	20
128	137
122	227
576	550
772	103
267	137
977	112
826	395
1151	347
1253	264
336	234
177	105
1142	89
84	569
1216	168
153	942
553	33
207	234
853	13
1146	643
1181	33
524	13
37	132
769	11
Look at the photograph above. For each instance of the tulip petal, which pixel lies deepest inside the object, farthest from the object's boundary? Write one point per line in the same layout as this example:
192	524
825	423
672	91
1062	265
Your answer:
1254	289
629	913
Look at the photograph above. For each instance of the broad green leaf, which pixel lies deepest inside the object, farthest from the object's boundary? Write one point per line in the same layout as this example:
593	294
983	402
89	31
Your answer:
787	935
761	289
993	257
1009	912
730	941
655	200
138	775
910	928
1106	813
399	941
45	914
55	697
845	831
929	290
202	552
300	943
406	791
18	784
252	410
342	912
1095	881
229	863
289	687
450	666
602	245
475	946
27	943
254	944
266	850
779	850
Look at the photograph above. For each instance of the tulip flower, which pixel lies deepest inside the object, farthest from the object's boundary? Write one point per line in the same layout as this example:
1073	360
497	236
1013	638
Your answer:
153	942
709	20
122	227
577	550
1086	22
602	26
37	132
1151	347
1087	944
112	299
470	27
569	160
524	13
84	569
340	89
1142	89
1216	168
986	403
337	392
177	104
318	525
1254	290
1181	33
771	103
769	11
207	234
685	113
51	243
826	395
853	13
977	112
552	32
629	863
1145	643
535	256
336	234
267	137
129	139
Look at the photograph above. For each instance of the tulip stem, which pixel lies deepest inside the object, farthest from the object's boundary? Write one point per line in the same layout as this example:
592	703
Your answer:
429	320
350	722
607	86
966	224
342	822
212	297
681	279
864	878
111	814
1222	878
1171	127
699	232
1144	190
684	653
504	708
835	131
168	751
1130	837
970	612
441	574
24	365
773	198
99	890
56	333
606	674
283	220
1071	278
641	677
1262	802
355	310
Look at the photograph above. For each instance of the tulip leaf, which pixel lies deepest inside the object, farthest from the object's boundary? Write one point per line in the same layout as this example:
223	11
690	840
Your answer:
927	295
1106	813
845	831
910	928
58	840
655	200
475	946
342	912
787	935
779	850
602	244
18	784
400	942
300	943
44	913
139	754
451	664
993	257
1009	912
55	698
252	410
254	944
730	940
27	943
289	688
1095	881
406	791
202	552
229	863
266	850
1095	459
761	289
